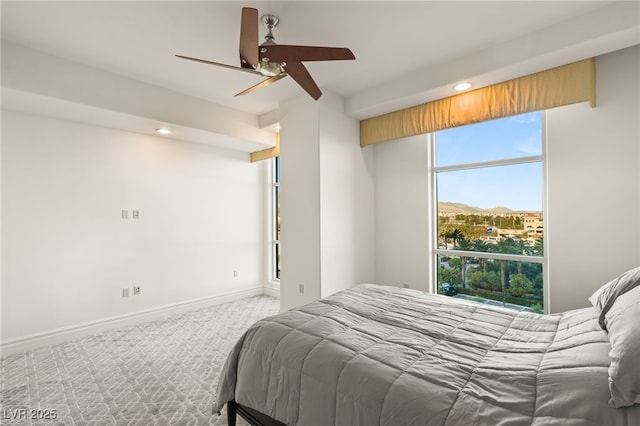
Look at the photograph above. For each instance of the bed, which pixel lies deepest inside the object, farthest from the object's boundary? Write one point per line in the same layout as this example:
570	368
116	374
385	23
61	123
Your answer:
377	355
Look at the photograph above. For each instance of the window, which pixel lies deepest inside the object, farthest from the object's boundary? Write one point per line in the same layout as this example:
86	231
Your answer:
274	219
488	198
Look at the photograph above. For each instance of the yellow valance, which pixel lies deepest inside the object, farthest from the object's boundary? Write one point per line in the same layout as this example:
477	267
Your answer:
568	84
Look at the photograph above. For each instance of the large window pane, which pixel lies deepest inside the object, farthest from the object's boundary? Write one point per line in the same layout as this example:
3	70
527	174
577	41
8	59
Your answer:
506	283
492	204
511	137
515	187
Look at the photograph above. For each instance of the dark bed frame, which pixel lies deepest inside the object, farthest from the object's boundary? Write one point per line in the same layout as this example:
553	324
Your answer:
254	417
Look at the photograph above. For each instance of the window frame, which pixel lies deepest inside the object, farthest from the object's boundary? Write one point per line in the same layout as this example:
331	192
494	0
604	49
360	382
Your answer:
434	251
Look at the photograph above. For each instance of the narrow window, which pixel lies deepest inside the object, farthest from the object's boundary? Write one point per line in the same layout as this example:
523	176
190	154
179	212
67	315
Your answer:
275	220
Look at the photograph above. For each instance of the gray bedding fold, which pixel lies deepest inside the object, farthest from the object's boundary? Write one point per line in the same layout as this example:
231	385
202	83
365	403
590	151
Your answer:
382	355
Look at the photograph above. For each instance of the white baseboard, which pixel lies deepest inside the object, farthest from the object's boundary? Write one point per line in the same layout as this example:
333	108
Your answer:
63	334
272	290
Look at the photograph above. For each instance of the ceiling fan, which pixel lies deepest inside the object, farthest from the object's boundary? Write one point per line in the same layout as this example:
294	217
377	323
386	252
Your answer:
276	61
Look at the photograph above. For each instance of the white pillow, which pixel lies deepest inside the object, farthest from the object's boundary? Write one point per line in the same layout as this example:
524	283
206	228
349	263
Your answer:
604	298
623	322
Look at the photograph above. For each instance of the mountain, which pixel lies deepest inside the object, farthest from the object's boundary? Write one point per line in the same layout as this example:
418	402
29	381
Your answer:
460	208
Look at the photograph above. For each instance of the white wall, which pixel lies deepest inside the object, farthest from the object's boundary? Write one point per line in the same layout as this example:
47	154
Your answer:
401	206
594	193
299	202
67	253
346	194
593	221
326	201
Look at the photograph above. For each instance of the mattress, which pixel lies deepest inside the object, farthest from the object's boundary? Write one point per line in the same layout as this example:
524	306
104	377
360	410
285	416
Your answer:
383	355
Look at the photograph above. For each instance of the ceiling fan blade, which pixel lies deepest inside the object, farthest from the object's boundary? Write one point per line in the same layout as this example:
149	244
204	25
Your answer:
299	73
204	61
263	83
290	53
249	38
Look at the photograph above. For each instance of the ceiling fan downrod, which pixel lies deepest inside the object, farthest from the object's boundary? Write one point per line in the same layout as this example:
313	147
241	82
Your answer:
270	22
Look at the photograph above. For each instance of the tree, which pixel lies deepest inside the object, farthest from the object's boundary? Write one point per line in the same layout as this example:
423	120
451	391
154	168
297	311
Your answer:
520	248
481	246
506	246
465	245
450	233
445	235
517	223
537	308
456	235
454	262
519	285
538	247
451	276
538	285
485	280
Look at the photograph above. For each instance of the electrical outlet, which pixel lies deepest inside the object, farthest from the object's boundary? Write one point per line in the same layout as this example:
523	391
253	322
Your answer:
235	274
125	292
136	290
301	288
125	214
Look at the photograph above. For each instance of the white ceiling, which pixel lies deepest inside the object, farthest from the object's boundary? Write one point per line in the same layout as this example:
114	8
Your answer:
406	52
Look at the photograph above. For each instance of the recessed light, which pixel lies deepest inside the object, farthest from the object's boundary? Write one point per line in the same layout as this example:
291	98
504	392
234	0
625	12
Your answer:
164	131
461	86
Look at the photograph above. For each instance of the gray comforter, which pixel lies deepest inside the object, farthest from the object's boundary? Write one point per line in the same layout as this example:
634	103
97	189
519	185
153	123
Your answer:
374	355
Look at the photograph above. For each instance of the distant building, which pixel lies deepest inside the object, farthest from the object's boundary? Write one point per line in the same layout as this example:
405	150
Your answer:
533	224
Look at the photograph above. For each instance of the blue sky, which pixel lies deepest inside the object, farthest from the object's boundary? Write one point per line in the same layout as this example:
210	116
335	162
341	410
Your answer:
518	187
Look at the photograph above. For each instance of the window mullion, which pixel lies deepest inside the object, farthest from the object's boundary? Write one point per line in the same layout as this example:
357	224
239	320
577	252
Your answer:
492	255
483	164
